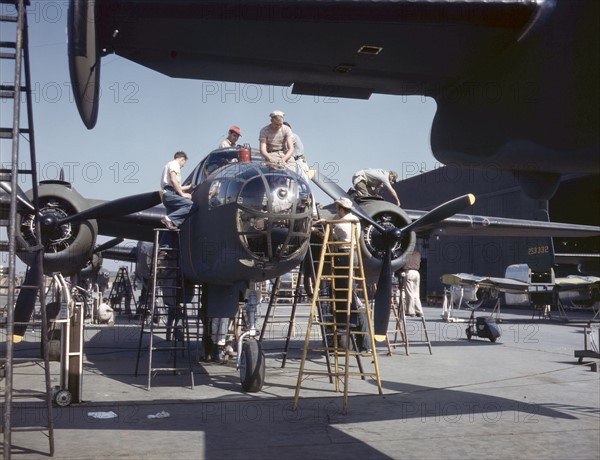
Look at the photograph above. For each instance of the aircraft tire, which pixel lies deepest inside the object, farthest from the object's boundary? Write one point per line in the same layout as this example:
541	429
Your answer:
252	366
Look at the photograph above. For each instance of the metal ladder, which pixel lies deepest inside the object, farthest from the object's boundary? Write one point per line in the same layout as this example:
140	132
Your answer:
122	287
347	280
283	299
13	18
307	268
166	285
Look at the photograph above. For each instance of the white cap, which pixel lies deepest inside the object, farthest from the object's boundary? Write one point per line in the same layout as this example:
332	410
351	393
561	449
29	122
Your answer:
344	203
277	113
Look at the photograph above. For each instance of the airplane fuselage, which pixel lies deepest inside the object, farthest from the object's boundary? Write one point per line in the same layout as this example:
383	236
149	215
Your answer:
253	221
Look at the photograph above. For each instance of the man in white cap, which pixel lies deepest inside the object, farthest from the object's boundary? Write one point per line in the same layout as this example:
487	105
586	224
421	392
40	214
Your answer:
276	140
342	232
232	137
369	182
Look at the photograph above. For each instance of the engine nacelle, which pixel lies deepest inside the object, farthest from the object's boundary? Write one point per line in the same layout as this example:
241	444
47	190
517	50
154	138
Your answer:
67	247
372	247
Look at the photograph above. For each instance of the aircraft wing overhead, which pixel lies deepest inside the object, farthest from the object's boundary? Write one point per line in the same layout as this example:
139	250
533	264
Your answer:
500	71
322	40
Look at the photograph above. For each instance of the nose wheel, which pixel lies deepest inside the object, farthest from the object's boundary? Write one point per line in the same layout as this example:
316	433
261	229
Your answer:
252	366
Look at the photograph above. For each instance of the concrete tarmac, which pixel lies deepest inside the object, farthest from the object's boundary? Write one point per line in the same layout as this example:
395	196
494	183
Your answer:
524	397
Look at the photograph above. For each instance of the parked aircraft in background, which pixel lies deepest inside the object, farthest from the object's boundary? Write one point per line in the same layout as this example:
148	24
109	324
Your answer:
519	287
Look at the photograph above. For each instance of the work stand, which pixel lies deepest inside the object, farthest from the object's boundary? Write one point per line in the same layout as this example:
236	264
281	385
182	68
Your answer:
400	320
347	306
166	313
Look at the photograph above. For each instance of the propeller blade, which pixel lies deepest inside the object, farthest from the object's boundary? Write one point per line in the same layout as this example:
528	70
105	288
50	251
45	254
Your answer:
383	296
447	209
335	191
109	244
26	301
119	207
383	299
330	187
21	197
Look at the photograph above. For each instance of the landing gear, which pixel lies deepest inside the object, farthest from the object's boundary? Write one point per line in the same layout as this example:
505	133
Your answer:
252	366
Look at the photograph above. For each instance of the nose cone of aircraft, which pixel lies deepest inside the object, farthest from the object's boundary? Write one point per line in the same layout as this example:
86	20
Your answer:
275	214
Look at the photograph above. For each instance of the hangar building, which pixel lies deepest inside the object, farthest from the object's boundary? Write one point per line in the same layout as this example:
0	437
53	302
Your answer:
497	194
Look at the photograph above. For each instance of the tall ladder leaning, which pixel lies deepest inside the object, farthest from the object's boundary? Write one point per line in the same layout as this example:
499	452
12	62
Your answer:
13	17
348	274
166	284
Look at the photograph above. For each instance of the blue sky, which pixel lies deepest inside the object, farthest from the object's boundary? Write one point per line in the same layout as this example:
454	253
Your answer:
145	117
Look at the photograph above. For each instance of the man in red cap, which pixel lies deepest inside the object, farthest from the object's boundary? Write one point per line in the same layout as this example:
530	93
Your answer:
232	137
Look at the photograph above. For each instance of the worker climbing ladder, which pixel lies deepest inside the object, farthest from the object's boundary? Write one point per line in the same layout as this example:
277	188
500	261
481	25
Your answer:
348	284
167	311
15	52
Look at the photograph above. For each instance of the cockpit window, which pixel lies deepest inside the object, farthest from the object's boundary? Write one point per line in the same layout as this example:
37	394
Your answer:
215	160
274	206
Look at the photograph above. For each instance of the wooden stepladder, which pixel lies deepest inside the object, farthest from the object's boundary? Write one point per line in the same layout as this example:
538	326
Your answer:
348	319
400	320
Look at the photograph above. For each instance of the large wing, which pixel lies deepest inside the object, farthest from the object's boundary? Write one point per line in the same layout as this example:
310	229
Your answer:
330	48
68	224
478	225
474	225
501	71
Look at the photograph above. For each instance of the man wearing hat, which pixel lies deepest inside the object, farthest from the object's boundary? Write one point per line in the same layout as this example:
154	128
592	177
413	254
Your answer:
232	137
276	140
369	182
342	232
